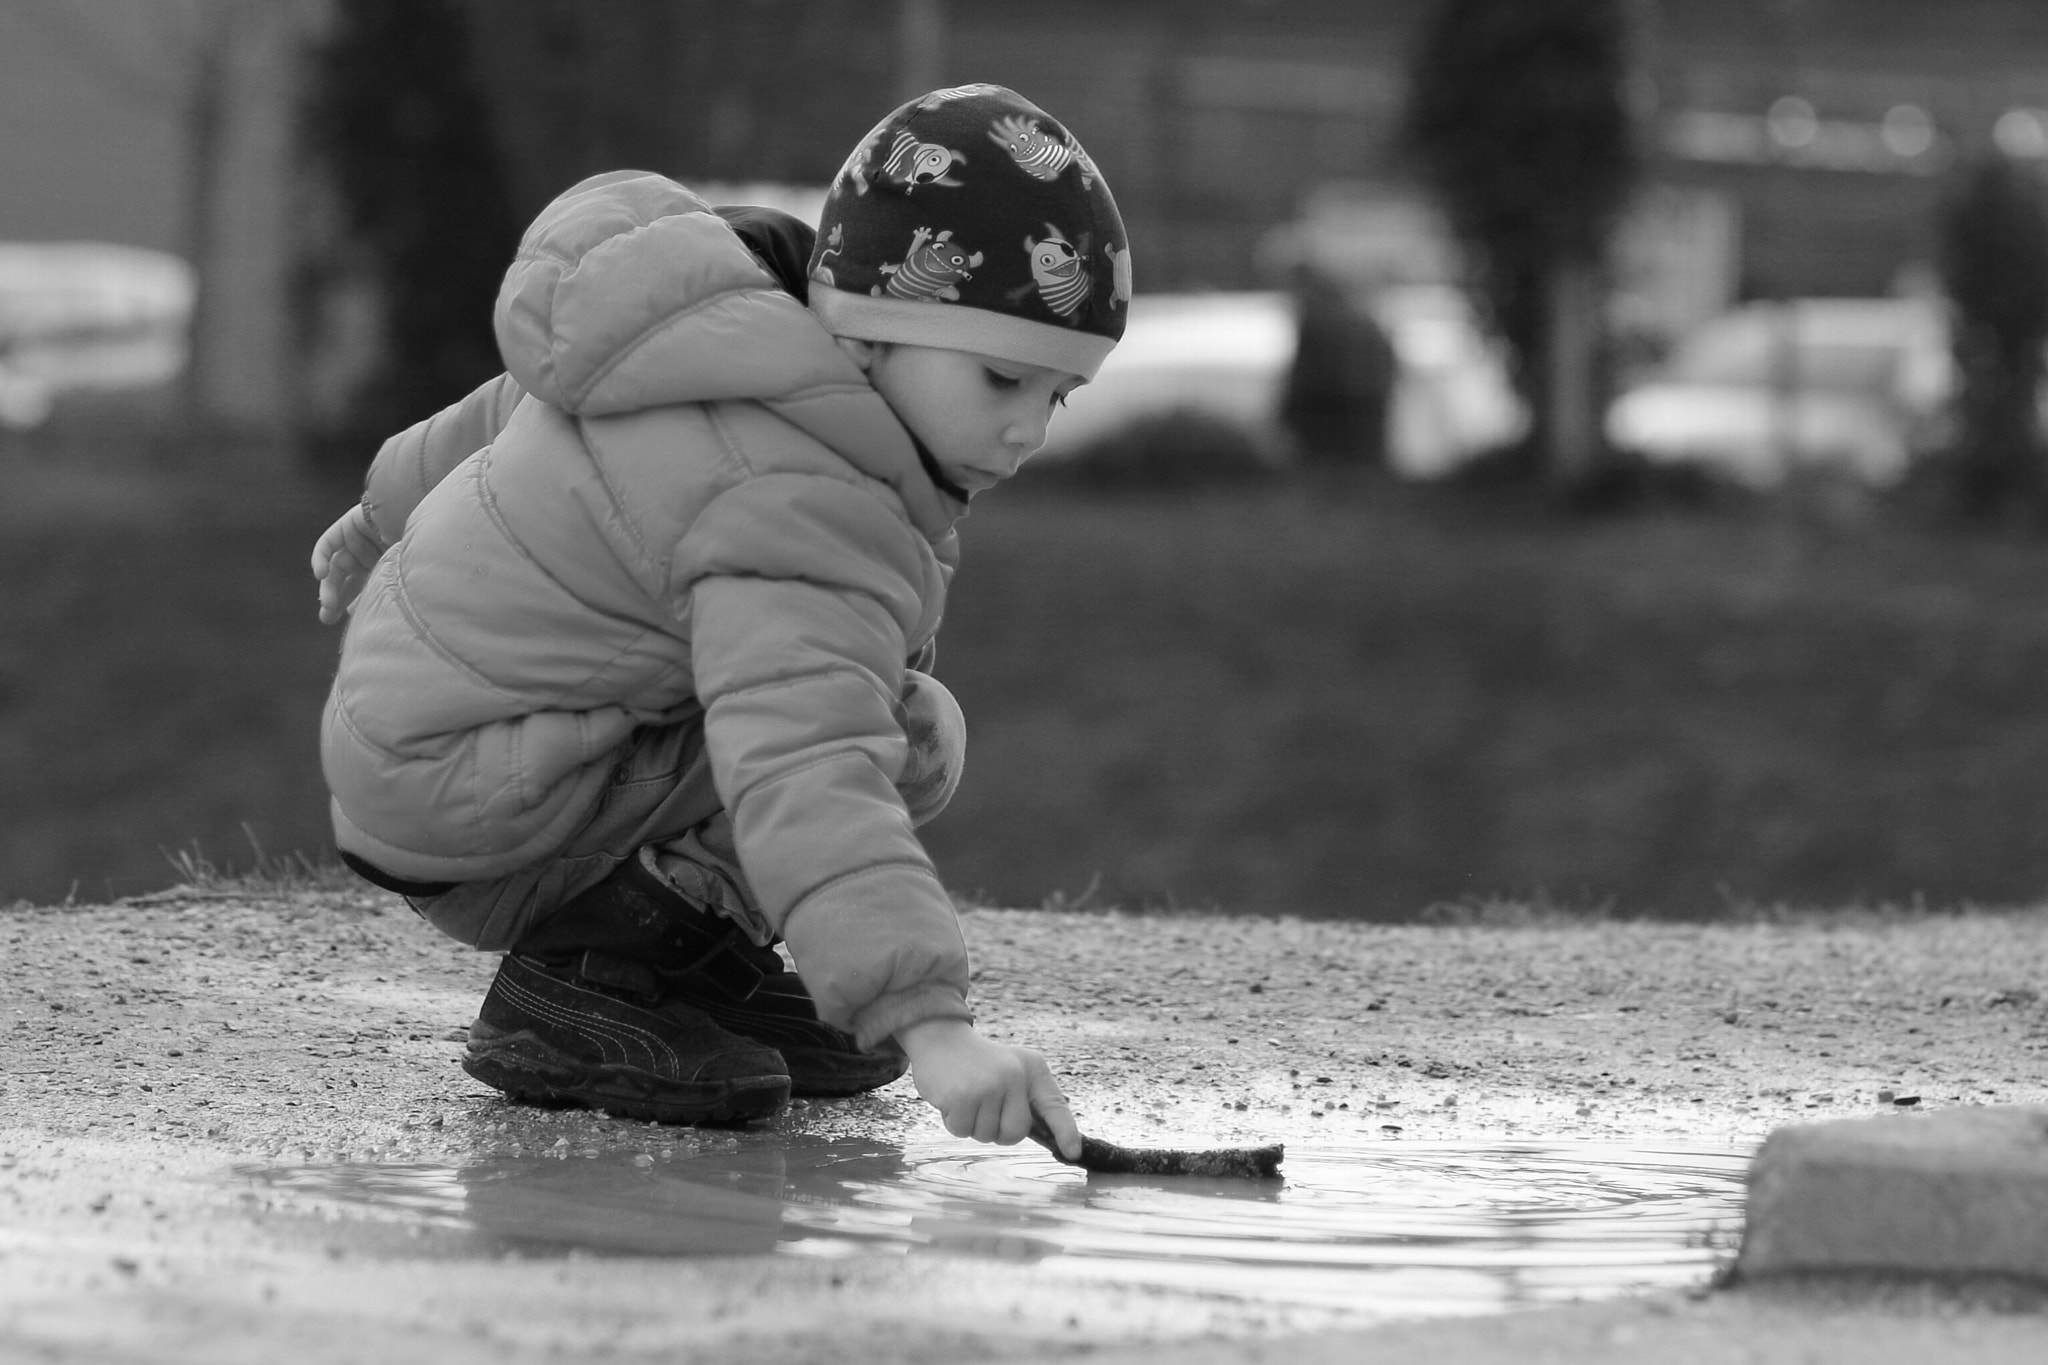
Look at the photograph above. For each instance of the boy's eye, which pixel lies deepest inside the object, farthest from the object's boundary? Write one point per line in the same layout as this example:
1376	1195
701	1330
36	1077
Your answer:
998	380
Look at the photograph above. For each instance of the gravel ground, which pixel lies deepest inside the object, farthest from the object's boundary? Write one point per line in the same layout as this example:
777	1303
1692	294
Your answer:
155	1043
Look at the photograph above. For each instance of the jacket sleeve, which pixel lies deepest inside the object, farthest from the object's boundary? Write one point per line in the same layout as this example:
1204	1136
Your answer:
413	461
802	591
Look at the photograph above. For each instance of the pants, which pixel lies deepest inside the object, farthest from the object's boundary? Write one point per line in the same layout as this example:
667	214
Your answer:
662	807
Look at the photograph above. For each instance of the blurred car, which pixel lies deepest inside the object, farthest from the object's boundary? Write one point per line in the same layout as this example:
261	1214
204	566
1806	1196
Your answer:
86	315
1853	385
1223	355
1226	354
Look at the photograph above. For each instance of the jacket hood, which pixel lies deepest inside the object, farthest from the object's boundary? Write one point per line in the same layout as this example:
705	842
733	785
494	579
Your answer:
630	292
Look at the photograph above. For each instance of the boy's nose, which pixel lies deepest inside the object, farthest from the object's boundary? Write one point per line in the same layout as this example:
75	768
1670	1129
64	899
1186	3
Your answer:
1027	433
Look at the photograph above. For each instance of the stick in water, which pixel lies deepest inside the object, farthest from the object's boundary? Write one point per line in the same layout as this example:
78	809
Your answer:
1106	1158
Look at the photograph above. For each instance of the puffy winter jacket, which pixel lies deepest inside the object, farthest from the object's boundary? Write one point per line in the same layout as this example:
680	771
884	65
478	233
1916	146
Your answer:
683	495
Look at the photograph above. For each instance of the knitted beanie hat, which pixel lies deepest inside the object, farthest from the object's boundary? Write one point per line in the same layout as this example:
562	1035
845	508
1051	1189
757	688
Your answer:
971	219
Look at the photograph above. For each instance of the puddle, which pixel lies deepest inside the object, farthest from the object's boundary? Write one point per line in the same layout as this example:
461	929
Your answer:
1377	1229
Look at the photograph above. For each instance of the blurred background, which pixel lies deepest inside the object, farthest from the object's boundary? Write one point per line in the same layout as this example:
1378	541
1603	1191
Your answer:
1587	451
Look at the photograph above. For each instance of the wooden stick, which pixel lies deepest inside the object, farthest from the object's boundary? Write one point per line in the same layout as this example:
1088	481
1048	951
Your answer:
1106	1158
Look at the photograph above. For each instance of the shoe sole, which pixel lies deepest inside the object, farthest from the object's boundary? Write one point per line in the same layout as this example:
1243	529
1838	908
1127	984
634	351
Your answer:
527	1070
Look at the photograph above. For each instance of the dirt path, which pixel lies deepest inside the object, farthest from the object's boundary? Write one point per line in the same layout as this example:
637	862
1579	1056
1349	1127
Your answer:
154	1044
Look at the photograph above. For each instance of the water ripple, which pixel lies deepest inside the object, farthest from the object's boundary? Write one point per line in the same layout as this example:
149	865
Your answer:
1373	1228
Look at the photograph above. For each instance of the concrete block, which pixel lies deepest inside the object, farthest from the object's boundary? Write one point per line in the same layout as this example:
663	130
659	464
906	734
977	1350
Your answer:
1950	1192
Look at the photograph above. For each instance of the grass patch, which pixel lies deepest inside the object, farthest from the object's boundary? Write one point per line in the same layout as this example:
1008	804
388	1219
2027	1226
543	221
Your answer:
1330	699
161	674
1348	700
262	875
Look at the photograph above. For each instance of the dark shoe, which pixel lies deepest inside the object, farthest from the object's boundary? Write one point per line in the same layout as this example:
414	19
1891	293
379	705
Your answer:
642	937
750	991
548	1039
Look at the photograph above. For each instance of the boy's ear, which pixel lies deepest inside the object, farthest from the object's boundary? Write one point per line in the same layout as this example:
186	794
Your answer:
860	352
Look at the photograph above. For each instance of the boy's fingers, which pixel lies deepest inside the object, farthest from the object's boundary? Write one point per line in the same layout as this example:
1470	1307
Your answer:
1066	1134
1050	1104
363	545
1016	1119
988	1123
330	601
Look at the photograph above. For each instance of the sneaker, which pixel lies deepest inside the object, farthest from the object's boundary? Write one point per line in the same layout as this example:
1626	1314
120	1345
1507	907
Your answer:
750	991
547	1038
641	937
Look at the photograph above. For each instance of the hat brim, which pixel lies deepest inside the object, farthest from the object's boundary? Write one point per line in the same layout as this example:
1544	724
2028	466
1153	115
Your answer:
920	322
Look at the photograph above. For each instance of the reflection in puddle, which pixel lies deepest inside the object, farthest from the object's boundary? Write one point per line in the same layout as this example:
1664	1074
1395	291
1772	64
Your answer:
1415	1227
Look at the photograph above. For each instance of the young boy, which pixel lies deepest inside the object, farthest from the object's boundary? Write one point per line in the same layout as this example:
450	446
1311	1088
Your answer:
636	682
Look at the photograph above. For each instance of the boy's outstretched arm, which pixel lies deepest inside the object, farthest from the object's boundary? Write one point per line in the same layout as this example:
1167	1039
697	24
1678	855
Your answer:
802	592
986	1090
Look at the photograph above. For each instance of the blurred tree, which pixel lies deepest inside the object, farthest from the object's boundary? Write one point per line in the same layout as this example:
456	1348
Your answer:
397	130
1518	121
1994	264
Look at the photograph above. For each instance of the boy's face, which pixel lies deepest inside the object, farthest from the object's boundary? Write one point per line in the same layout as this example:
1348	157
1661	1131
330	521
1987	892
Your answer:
980	417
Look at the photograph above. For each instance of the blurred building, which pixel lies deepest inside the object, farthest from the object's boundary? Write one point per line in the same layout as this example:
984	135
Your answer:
1797	146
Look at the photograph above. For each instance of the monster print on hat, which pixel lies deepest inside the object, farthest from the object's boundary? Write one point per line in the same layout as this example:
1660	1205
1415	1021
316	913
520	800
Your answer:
972	219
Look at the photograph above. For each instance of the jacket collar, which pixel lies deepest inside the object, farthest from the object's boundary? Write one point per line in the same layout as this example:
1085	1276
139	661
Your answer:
854	420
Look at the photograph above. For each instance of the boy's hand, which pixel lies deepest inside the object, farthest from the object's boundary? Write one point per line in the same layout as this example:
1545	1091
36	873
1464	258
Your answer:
984	1090
342	560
